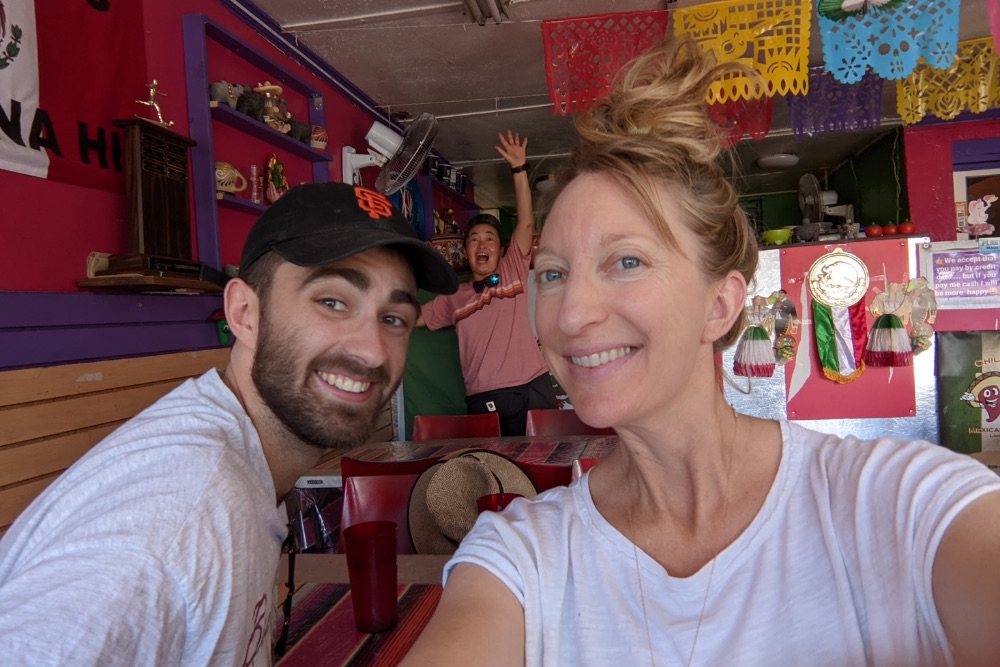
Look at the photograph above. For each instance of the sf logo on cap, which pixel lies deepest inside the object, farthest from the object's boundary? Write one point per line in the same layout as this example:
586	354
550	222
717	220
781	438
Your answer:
373	203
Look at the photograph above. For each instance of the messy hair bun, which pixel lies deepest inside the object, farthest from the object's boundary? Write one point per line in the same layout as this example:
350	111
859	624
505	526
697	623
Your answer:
653	130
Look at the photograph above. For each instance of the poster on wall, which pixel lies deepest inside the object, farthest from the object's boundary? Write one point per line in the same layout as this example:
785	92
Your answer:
67	69
828	378
968	390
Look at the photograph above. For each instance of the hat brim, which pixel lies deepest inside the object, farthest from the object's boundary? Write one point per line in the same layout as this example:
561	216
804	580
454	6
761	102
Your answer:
432	271
426	531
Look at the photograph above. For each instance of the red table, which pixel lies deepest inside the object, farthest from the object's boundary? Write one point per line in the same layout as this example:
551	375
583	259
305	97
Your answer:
322	628
555	450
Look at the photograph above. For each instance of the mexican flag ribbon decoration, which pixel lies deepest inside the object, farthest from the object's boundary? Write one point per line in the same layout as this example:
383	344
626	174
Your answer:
840	334
888	343
754	355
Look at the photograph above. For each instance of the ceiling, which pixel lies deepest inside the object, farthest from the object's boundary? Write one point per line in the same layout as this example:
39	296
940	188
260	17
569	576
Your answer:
416	56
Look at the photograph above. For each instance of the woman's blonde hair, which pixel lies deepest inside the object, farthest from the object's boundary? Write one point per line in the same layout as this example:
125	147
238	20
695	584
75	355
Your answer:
653	130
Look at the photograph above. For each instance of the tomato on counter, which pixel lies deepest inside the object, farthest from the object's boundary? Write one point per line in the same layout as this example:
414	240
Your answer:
873	230
907	227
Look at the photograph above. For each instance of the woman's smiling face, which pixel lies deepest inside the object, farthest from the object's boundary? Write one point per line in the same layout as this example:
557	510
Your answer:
620	314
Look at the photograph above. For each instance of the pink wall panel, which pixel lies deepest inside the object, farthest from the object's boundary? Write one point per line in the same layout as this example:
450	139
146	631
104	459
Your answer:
49	227
929	172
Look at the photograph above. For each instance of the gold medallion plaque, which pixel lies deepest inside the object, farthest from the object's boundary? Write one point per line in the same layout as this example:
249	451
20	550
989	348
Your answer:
838	279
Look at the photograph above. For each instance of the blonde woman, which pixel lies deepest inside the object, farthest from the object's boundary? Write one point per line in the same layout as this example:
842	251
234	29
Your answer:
707	537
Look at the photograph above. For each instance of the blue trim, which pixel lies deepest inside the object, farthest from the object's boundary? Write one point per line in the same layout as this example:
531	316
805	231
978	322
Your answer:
47	328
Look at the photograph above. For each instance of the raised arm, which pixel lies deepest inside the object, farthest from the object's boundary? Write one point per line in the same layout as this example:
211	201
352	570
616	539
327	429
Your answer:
967	583
477	622
515	151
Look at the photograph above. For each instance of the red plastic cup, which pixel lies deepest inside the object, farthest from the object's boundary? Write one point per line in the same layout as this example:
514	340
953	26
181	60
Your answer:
370	548
496	502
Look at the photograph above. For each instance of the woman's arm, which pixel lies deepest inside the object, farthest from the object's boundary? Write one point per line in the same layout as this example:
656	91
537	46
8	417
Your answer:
515	151
966	583
477	622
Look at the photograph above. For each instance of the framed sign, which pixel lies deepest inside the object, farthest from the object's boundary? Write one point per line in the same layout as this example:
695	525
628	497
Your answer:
961	274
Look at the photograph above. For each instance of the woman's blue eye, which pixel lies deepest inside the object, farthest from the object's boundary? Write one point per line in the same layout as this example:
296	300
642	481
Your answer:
549	276
629	263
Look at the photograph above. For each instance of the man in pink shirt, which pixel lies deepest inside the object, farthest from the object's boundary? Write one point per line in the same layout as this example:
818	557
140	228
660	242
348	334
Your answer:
502	366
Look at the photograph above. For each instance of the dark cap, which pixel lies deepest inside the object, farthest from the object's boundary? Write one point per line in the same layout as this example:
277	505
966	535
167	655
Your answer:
483	219
322	223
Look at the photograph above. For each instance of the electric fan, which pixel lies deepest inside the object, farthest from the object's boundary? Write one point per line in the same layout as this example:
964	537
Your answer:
816	204
399	157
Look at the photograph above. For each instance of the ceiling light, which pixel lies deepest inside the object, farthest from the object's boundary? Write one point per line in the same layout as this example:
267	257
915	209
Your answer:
778	161
545	183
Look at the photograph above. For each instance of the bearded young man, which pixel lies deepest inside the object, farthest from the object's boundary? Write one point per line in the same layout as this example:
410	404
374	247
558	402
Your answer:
160	546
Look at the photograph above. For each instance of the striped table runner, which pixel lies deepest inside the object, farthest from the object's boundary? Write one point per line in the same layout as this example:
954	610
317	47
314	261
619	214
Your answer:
322	631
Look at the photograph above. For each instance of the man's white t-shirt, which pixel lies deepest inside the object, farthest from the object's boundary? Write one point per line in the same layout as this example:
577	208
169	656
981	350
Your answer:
834	570
160	546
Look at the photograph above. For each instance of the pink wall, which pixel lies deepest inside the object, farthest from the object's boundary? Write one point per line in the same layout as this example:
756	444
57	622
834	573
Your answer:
48	228
929	172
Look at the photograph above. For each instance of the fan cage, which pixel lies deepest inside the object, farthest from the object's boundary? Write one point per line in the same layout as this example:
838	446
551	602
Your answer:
418	139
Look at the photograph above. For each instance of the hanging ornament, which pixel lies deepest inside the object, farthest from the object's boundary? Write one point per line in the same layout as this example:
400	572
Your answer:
971	82
584	53
923	312
785	324
770	36
754	357
888	342
838	10
838	282
891	40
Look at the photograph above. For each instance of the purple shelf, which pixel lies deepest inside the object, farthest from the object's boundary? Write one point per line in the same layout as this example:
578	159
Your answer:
254	128
243	205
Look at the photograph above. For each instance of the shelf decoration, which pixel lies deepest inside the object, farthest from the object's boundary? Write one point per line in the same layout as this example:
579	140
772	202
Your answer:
888	342
742	117
754	356
583	54
770	36
889	39
913	306
837	283
786	322
832	106
971	83
277	184
154	104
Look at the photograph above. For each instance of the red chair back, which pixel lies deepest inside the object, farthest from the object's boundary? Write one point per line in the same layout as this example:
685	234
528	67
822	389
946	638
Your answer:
379	498
546	475
440	427
560	422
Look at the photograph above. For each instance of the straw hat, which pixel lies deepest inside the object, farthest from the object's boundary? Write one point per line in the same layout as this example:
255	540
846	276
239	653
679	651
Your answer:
443	501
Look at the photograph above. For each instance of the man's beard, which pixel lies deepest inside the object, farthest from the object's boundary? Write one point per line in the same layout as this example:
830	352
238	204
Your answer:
283	384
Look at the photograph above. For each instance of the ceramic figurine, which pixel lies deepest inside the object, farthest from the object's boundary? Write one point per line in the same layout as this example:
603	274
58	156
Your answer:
228	178
318	137
277	185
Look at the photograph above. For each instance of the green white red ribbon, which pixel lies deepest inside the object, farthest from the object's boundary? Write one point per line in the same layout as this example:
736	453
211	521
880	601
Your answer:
840	340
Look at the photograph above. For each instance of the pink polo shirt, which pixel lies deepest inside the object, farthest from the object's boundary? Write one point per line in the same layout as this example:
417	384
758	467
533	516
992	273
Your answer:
495	342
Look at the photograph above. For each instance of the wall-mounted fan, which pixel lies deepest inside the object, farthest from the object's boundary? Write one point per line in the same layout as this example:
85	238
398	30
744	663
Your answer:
816	204
399	157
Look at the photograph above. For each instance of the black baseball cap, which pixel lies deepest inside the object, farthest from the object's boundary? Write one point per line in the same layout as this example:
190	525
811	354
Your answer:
321	223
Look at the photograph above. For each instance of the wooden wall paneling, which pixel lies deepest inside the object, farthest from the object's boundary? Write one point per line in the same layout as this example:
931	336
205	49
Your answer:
51	416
